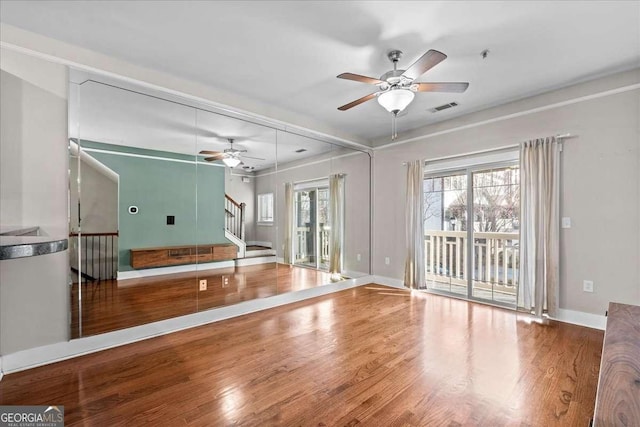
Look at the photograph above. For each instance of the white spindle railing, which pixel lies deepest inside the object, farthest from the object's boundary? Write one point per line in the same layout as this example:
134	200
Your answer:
495	257
301	244
234	217
302	254
324	245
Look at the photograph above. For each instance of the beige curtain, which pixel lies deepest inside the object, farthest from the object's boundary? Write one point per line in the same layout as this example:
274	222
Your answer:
288	223
539	235
414	267
336	222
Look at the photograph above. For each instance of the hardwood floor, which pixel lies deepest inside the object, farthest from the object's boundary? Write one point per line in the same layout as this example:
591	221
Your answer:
111	305
371	355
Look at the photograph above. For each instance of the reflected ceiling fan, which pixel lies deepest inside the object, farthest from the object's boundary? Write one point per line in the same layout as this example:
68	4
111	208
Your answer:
397	87
230	156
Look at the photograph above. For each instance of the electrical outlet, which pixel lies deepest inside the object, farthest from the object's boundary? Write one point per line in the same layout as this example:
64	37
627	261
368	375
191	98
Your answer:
387	260
359	257
566	222
225	281
203	284
587	285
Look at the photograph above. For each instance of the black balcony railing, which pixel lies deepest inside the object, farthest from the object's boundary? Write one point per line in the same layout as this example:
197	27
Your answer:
98	254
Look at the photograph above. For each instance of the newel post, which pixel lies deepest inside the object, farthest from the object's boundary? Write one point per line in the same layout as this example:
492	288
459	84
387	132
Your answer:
242	206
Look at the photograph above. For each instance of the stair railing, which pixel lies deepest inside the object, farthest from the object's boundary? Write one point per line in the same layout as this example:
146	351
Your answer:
98	255
234	217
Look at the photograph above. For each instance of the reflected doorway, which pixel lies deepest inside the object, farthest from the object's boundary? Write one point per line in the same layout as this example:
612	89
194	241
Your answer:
311	209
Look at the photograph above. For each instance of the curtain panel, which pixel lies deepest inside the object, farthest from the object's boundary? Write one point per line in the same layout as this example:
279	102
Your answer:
288	223
336	221
539	235
414	267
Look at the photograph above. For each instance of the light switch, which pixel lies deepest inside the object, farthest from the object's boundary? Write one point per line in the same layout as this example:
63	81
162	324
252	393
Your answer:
566	222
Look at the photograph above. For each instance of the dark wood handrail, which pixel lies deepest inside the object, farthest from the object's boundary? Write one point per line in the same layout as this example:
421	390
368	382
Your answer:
232	201
113	233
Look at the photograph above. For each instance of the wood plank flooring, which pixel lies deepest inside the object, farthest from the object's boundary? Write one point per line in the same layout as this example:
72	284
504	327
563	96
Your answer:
618	399
372	356
111	305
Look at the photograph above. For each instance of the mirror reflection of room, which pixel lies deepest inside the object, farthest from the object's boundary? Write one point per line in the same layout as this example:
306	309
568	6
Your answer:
176	209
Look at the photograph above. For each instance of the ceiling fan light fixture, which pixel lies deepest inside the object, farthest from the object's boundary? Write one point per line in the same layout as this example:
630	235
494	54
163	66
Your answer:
396	100
231	161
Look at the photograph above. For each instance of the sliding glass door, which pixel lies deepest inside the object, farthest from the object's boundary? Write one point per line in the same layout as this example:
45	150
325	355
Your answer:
480	205
445	224
496	213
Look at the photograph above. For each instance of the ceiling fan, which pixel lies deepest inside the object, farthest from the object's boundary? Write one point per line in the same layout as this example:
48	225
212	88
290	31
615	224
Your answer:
230	156
397	87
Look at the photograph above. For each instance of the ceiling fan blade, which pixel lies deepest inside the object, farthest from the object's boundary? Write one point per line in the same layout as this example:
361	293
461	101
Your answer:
210	152
424	64
254	158
442	87
357	102
359	78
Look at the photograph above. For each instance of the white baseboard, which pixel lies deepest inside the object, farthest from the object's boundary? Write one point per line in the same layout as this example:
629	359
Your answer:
581	318
160	271
356	274
39	356
260	252
388	281
255	260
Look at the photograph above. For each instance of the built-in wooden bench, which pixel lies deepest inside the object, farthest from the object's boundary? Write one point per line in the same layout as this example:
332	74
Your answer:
618	396
178	255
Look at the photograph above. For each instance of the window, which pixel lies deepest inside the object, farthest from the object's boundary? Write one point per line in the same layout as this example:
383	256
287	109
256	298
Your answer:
265	208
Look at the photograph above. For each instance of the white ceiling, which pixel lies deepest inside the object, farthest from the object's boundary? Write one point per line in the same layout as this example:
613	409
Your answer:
104	113
287	54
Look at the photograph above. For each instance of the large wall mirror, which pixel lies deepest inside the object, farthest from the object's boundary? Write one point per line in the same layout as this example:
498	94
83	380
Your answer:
177	207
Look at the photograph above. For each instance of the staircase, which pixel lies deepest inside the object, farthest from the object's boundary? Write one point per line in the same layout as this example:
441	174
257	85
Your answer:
234	230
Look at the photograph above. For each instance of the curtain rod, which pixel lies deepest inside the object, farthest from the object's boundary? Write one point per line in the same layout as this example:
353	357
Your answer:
489	150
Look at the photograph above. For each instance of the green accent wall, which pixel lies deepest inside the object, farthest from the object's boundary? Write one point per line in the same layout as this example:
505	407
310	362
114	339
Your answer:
166	184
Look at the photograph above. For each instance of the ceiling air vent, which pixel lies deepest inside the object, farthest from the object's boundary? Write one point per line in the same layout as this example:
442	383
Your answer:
301	150
444	107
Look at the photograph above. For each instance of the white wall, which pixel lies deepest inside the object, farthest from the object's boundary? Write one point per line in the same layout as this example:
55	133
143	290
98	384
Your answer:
32	120
600	183
99	194
356	166
34	298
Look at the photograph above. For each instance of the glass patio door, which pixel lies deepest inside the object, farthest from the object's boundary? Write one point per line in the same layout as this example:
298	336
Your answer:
311	242
480	205
496	234
445	224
